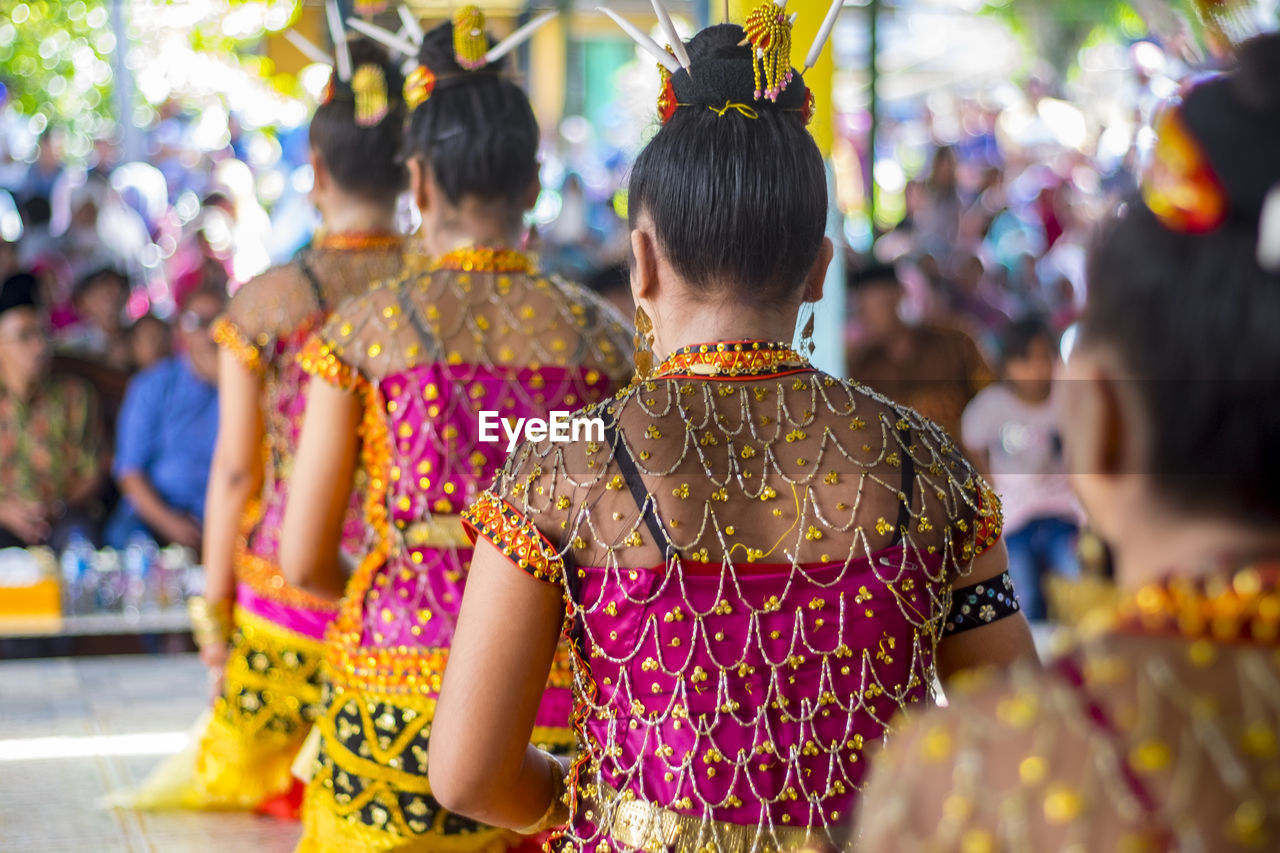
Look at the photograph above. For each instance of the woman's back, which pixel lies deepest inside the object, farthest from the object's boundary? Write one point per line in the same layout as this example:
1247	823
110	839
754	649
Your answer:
813	530
475	331
267	323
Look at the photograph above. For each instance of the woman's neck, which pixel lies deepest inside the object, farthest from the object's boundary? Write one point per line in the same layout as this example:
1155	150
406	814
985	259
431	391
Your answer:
351	216
686	325
1153	547
442	241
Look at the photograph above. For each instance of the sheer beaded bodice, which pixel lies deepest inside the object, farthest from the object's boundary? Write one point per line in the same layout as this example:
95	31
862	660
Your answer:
266	324
1158	732
476	331
758	568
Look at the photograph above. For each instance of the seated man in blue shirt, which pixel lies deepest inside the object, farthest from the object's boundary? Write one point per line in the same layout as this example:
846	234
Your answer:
167	427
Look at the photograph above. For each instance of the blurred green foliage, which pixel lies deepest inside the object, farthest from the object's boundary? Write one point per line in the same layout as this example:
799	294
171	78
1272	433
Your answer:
56	57
1056	29
55	60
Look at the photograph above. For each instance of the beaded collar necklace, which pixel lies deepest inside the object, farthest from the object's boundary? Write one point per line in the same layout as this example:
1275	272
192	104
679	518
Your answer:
732	360
1240	606
477	259
355	241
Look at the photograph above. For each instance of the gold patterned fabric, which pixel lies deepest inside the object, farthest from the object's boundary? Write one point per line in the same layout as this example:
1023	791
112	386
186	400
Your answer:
242	749
1156	733
269	702
757	560
478	329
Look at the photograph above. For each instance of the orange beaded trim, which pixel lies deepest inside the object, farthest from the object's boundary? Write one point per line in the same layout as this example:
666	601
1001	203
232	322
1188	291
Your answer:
515	536
388	669
1237	607
744	359
358	241
318	358
486	260
226	335
989	523
266	579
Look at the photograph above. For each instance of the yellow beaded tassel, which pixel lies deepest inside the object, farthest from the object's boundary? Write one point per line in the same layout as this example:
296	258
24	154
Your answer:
369	84
469	42
769	33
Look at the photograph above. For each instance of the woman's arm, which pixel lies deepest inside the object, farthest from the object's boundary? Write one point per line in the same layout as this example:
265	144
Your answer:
999	644
320	491
481	763
235	475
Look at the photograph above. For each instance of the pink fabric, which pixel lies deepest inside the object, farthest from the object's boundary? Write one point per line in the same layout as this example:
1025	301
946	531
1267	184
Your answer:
299	620
286	403
439	466
668	658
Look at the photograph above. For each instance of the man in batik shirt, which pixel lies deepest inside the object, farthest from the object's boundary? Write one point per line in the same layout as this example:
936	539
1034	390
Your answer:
49	430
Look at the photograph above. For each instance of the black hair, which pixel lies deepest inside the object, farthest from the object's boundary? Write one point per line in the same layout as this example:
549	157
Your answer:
1017	337
36	211
735	200
90	280
363	160
1192	317
476	130
871	275
212	291
19	290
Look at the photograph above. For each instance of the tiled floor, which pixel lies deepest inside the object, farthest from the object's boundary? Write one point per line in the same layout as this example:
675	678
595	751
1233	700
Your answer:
61	750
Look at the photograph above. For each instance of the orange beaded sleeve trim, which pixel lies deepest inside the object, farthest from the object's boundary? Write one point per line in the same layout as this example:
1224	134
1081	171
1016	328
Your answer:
989	520
515	536
319	359
228	336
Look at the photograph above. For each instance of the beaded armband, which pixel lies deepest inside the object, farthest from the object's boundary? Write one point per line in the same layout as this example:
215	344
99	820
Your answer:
515	536
981	604
319	359
228	336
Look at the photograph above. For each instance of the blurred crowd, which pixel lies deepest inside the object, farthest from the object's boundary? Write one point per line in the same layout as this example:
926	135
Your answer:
963	310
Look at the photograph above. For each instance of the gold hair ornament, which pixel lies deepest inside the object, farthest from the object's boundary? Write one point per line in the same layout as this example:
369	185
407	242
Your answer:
469	41
369	84
769	34
418	87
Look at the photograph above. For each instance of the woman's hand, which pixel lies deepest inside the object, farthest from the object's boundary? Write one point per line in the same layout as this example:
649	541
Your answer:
214	656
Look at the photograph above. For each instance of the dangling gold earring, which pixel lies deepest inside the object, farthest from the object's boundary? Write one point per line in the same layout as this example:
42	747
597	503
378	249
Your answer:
807	346
643	343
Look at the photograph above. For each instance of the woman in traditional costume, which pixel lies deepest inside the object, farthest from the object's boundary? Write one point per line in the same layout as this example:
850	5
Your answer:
759	564
1156	729
408	372
260	636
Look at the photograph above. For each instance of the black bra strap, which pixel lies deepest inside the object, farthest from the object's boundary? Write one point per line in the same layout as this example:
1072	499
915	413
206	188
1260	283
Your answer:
908	489
631	476
309	274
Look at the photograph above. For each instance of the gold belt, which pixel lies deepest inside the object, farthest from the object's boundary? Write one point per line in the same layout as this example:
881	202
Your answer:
646	826
437	531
